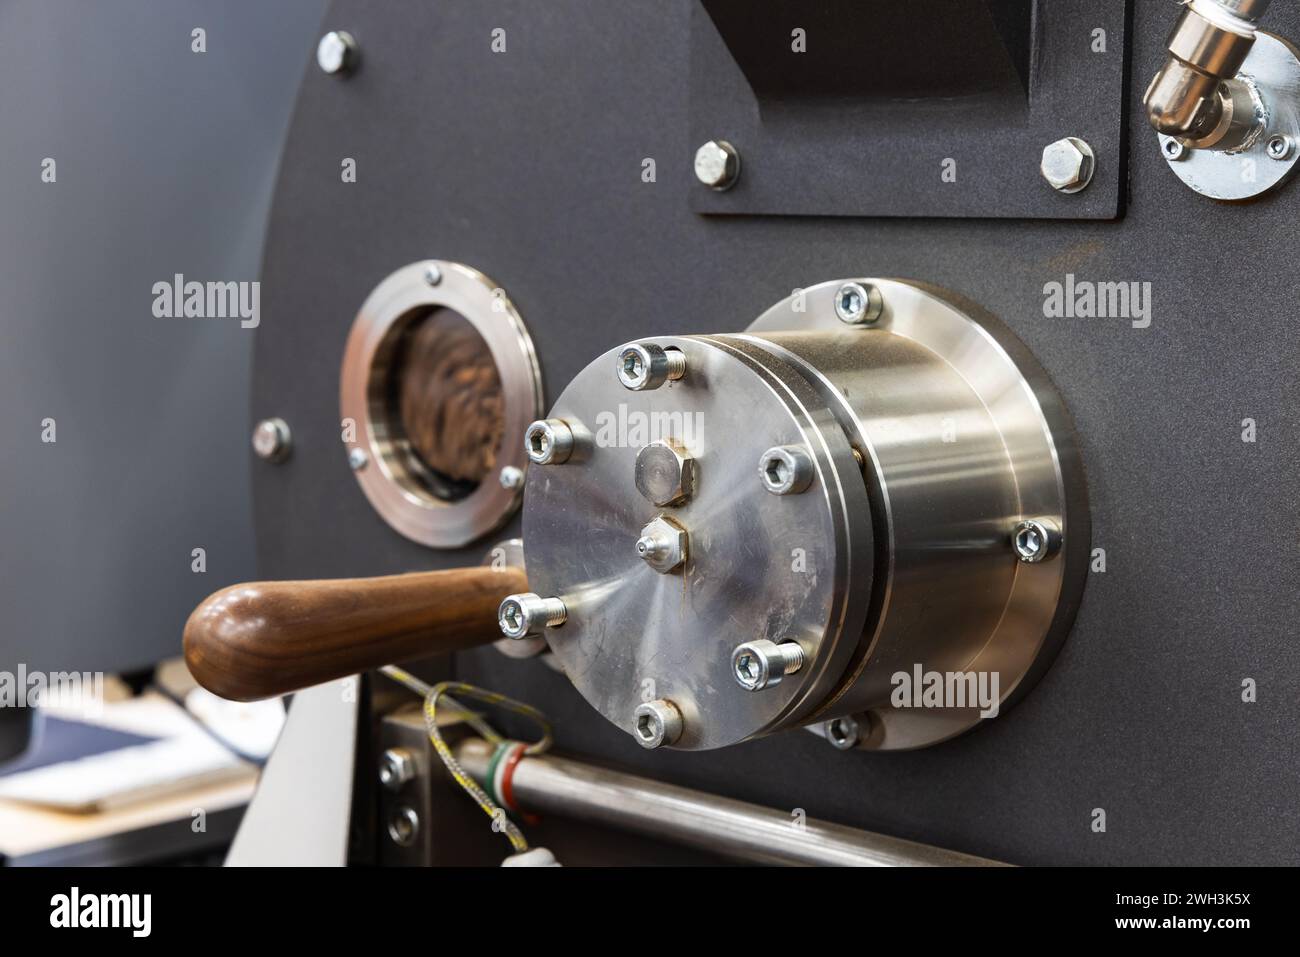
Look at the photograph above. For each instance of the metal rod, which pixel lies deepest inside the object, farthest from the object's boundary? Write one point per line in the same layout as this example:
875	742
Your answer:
732	828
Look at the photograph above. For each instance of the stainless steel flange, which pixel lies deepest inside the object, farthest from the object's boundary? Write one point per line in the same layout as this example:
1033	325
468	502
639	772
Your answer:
1268	158
390	475
931	435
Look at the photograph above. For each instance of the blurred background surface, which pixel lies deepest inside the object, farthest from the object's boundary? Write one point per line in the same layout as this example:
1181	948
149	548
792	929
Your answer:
165	161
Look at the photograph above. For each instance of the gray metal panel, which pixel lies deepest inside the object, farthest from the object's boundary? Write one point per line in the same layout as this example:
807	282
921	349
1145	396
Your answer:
166	160
527	164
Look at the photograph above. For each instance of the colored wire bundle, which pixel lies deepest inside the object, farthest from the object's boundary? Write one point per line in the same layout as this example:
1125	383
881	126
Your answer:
504	759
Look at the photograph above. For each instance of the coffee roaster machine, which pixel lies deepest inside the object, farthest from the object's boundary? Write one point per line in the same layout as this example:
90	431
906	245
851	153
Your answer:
850	435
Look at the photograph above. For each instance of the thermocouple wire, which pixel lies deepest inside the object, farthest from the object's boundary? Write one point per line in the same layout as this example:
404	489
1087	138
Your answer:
432	694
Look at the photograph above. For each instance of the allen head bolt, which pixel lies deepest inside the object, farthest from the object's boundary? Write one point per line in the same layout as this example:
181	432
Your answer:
657	723
548	441
644	365
404	826
1036	539
786	470
858	303
528	613
843	733
762	664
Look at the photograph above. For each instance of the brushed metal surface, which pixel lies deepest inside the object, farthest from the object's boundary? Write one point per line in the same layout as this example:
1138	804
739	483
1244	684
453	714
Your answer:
633	632
735	829
907	567
1273	65
962	441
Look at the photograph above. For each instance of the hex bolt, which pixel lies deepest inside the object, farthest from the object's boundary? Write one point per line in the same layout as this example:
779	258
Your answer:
644	365
665	473
432	274
396	767
858	303
1036	539
663	545
357	458
524	615
1174	150
1068	164
1280	146
762	664
337	53
511	477
717	165
272	440
786	470
843	733
657	723
549	441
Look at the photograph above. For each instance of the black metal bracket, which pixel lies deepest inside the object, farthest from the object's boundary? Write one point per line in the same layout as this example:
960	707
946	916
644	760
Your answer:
924	108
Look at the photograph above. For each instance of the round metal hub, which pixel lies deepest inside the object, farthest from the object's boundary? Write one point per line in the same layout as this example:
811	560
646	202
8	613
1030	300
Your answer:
928	443
956	456
634	634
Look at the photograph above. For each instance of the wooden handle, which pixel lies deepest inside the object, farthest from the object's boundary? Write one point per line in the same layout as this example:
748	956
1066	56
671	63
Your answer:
263	639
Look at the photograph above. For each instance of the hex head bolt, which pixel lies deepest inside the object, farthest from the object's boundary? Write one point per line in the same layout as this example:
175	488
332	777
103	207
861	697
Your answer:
663	545
397	766
665	473
1068	164
717	165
